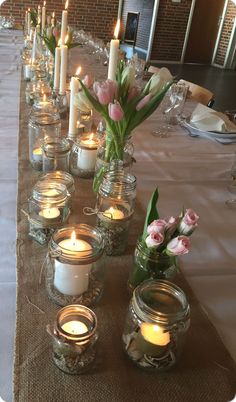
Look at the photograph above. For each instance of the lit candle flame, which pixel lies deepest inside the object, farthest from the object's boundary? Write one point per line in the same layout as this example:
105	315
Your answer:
91	137
66	5
59	42
53	14
78	71
44	3
117	29
73	237
44	97
28	9
66	38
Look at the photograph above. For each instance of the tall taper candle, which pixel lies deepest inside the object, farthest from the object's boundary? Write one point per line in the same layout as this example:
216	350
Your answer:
34	48
57	68
74	88
39	15
64	24
28	21
63	70
43	16
114	54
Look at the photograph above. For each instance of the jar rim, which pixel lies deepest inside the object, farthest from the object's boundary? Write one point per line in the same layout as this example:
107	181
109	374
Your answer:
49	193
52	146
59	176
171	297
118	182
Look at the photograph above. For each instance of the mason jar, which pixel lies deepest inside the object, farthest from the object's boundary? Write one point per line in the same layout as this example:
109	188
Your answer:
48	210
74	335
157	321
83	156
115	207
58	176
74	268
44	121
56	154
150	264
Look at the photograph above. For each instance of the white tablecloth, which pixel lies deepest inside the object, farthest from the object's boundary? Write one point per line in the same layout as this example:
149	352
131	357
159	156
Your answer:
190	172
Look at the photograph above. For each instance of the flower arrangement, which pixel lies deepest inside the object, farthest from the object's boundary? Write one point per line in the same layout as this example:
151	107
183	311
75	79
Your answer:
51	38
124	106
161	242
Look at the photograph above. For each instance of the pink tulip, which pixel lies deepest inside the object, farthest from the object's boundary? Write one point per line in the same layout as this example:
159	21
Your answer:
88	80
105	91
157	226
115	111
154	239
133	92
189	222
143	102
178	246
56	33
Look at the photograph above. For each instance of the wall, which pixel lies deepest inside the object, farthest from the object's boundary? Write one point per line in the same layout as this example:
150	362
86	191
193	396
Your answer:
170	30
95	16
145	8
225	34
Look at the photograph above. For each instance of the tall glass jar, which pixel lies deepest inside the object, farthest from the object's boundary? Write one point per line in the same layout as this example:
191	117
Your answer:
149	264
56	154
48	210
115	207
156	325
74	265
44	121
74	335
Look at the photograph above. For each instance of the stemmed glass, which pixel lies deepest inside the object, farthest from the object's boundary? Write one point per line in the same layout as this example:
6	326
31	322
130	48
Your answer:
232	187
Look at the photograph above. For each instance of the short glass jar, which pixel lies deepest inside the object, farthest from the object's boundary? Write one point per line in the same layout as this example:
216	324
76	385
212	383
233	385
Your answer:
74	272
115	207
149	264
74	335
83	156
56	154
48	210
156	325
60	177
44	121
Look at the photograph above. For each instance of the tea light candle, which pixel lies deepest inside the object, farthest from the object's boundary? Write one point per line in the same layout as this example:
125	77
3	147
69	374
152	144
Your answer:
152	339
56	83
37	155
63	69
87	153
114	53
72	279
49	213
75	327
113	213
64	24
43	16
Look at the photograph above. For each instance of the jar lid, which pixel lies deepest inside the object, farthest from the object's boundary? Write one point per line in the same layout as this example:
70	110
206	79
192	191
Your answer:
160	301
50	193
56	146
82	244
58	176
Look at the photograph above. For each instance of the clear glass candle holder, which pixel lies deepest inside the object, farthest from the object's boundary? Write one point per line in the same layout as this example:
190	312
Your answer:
85	120
48	210
74	337
156	325
115	207
30	93
44	121
83	156
58	176
62	105
56	154
74	272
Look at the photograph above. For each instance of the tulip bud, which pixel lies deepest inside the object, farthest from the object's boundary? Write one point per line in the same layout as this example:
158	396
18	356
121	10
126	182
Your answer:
115	111
143	102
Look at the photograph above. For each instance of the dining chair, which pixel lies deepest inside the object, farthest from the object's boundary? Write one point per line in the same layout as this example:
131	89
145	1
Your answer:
198	93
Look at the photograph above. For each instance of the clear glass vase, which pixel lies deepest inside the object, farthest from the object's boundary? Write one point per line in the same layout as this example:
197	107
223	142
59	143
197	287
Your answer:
150	264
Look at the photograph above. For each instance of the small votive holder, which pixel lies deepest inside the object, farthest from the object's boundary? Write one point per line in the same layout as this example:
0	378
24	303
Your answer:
61	102
74	336
74	270
56	154
48	210
156	325
83	156
115	207
60	177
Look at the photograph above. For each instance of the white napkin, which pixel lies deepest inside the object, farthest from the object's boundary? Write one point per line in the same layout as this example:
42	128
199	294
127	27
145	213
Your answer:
206	119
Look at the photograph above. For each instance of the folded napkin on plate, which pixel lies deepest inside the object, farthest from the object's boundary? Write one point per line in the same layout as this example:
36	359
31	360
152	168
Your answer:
206	119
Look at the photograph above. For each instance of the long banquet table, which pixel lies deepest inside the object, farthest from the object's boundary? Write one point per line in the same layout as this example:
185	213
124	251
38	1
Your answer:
189	171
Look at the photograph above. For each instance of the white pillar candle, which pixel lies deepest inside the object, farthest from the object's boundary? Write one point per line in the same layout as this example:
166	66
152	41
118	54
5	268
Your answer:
26	18
64	24
57	68
43	16
87	153
114	54
75	327
72	279
74	88
28	21
63	69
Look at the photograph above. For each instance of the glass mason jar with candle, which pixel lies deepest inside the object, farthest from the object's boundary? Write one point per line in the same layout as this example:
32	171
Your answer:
74	336
44	121
156	325
56	154
74	271
60	177
48	209
115	207
83	156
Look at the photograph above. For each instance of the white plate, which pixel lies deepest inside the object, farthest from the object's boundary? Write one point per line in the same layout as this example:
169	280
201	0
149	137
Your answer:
210	134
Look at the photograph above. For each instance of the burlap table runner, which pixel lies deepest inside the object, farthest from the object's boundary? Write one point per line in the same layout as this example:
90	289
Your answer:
206	372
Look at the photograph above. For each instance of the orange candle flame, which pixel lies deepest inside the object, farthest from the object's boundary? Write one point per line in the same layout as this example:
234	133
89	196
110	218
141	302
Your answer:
44	3
78	71
117	29
66	5
73	237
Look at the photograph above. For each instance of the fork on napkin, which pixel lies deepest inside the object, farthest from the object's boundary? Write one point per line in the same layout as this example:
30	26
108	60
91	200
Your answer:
206	119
